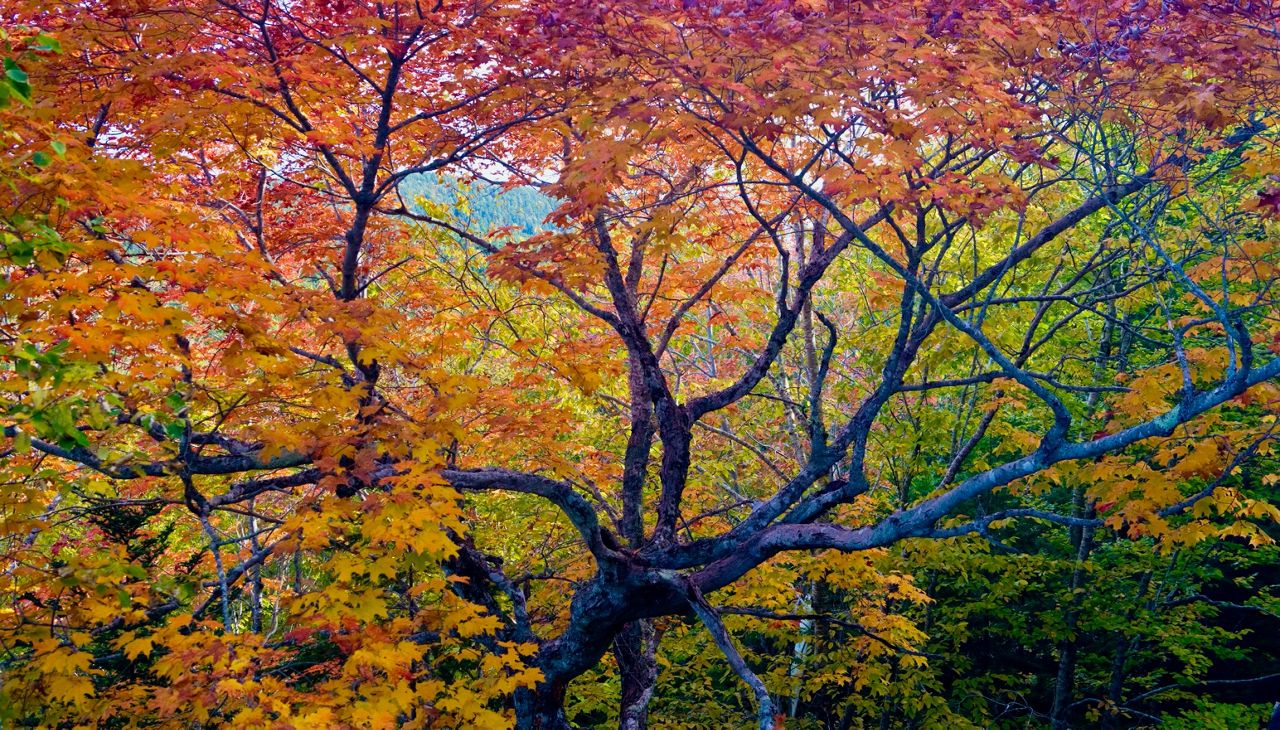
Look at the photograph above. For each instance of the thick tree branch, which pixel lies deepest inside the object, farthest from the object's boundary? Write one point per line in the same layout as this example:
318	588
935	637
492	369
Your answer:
574	505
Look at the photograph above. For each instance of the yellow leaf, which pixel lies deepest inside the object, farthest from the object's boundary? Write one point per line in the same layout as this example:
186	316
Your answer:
138	647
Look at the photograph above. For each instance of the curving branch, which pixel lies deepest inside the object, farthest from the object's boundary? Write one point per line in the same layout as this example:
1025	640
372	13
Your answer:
575	506
711	620
728	560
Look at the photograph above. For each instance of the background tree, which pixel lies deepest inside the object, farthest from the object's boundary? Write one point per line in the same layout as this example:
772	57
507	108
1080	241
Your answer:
826	284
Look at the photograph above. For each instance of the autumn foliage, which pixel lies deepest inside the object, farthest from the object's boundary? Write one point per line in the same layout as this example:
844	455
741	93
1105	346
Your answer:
903	364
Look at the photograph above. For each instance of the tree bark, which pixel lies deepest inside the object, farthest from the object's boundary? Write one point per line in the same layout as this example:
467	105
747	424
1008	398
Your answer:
603	611
542	708
636	648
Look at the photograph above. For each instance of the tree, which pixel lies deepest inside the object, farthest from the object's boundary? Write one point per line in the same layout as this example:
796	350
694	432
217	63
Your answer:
824	278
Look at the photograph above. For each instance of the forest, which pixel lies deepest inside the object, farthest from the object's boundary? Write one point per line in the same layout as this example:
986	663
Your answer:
672	364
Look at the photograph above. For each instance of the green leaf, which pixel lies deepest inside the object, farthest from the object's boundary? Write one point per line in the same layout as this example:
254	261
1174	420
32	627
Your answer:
20	252
175	400
42	159
77	437
46	43
58	147
20	90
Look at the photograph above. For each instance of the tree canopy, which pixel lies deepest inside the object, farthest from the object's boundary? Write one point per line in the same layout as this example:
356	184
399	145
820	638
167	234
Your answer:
806	363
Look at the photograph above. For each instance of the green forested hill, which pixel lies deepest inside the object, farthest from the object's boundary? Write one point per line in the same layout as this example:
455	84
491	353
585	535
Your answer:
482	206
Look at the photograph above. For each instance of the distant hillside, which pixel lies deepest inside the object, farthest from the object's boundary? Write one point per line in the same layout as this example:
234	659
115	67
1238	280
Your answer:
485	206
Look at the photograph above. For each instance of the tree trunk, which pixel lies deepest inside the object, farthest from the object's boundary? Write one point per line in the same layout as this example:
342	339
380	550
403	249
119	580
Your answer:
1125	647
635	648
603	612
255	586
542	708
1063	690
